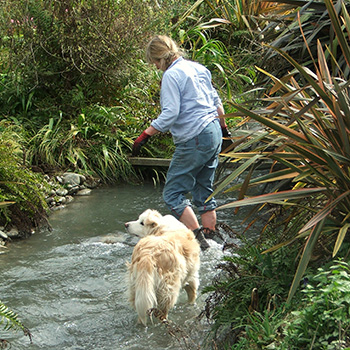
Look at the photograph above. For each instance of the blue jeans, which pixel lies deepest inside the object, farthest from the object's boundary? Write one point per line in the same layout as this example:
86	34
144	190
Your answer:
192	170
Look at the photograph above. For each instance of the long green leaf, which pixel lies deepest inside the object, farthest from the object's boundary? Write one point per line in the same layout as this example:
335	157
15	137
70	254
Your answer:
283	244
268	178
9	319
305	258
234	175
307	153
341	235
341	118
284	130
6	204
311	80
273	197
322	214
343	42
188	13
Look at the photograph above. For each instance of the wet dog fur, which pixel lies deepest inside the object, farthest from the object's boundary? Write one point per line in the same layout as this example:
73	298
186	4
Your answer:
165	260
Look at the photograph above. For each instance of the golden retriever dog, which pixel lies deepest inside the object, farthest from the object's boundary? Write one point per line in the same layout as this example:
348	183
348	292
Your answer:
164	260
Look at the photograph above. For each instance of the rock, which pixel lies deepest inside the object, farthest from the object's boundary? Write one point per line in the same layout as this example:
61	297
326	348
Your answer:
84	192
58	207
61	192
73	189
13	233
73	179
69	199
50	200
93	183
3	235
61	200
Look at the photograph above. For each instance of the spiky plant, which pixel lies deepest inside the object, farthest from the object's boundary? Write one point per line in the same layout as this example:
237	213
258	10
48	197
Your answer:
314	20
306	122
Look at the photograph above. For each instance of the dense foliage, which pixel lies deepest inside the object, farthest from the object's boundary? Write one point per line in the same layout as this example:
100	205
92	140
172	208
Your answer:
21	191
75	91
247	303
304	134
306	125
64	55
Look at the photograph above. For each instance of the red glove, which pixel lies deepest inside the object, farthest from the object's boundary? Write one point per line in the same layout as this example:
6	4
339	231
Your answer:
139	142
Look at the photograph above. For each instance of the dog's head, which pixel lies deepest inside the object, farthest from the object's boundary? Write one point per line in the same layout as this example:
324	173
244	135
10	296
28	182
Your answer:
146	224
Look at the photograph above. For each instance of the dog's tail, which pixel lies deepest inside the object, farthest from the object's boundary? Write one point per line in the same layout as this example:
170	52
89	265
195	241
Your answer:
145	294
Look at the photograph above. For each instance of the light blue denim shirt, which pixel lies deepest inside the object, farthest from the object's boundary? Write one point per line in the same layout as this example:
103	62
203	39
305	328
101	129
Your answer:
188	100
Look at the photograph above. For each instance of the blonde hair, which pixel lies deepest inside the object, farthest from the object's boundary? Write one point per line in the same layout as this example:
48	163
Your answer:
162	49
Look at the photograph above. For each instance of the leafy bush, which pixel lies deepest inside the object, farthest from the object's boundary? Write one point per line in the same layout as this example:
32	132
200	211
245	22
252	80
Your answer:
229	77
323	320
95	144
21	190
64	55
248	293
305	21
247	303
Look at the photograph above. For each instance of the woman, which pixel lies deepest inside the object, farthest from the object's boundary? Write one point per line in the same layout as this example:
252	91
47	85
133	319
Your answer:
189	109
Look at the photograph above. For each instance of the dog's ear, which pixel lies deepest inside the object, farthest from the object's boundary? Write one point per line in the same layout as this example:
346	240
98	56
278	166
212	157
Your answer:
153	219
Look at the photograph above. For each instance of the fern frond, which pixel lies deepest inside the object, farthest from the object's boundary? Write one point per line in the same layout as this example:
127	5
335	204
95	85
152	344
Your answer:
11	322
9	318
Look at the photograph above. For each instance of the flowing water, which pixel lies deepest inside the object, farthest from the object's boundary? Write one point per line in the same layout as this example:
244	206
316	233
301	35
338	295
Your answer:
67	284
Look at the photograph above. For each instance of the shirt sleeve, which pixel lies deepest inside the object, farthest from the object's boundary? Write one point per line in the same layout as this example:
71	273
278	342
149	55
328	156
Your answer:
217	100
170	104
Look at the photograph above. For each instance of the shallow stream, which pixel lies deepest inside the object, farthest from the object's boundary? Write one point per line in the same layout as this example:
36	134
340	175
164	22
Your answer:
67	284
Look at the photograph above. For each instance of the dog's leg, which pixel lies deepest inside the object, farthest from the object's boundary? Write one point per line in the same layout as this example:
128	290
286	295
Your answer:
168	293
191	290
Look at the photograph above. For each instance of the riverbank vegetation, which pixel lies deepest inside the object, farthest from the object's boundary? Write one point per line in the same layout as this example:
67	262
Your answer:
75	92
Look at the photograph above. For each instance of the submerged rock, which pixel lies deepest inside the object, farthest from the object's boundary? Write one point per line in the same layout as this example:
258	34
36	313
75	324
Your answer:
84	192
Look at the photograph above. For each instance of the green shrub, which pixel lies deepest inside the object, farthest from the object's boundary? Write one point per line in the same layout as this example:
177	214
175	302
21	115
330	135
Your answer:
247	297
65	55
19	184
304	135
323	320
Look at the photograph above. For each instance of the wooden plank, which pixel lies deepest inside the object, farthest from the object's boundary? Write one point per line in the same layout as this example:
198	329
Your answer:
144	161
162	162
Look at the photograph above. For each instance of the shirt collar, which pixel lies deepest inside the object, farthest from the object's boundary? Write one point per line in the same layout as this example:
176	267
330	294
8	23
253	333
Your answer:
177	60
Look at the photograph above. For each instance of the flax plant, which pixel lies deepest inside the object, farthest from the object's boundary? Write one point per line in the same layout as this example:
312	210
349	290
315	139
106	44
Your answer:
238	14
305	134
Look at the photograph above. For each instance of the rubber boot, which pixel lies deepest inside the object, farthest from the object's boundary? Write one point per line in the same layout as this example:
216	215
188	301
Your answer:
198	233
